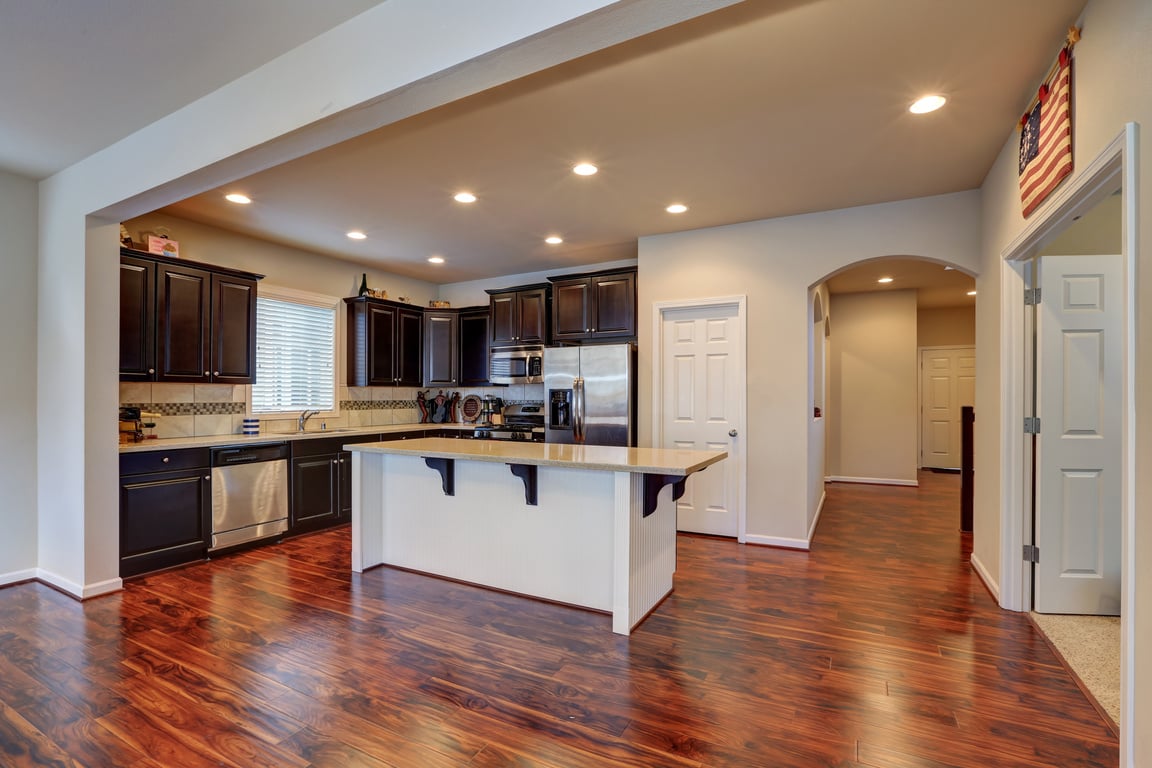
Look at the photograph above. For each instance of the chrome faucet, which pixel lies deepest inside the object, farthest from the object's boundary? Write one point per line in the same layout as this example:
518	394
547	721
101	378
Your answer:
300	422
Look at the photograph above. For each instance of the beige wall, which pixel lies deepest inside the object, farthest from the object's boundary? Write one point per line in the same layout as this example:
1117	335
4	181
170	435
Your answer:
872	387
18	401
775	263
1111	88
946	327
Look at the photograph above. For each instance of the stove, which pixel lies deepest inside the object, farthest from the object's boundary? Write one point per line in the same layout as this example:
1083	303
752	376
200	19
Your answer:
521	422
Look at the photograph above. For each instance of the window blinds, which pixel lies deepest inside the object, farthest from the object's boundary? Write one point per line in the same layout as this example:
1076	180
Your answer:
295	356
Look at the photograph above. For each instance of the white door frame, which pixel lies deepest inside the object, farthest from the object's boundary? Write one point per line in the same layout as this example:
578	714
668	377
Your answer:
1112	168
738	451
920	393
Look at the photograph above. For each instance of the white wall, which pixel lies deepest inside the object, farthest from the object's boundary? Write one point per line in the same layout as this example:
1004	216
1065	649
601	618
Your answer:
281	265
774	263
18	392
1111	67
819	355
872	408
946	326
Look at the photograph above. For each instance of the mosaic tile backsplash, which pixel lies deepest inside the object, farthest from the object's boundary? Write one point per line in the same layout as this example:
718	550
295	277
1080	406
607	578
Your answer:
202	410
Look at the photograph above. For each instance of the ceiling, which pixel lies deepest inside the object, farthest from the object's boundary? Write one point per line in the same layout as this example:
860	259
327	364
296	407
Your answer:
765	109
935	285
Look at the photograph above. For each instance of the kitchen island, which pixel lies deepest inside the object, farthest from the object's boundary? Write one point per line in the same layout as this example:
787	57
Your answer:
586	525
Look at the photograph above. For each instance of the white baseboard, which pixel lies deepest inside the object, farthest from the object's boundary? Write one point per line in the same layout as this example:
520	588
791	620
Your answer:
870	480
773	541
77	591
17	576
816	517
985	577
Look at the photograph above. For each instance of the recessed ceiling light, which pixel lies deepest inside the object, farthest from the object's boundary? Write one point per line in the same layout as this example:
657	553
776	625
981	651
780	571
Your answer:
971	293
885	279
926	104
436	259
239	199
676	208
554	240
357	235
464	197
584	169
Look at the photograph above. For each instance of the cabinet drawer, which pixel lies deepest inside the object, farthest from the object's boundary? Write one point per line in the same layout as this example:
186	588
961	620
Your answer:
322	446
162	461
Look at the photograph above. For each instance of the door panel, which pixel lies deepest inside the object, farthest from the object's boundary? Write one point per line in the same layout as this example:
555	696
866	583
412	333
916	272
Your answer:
1078	451
703	358
948	381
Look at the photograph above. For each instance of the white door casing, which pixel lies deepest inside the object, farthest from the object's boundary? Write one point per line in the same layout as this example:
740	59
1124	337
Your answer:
1079	448
947	382
699	402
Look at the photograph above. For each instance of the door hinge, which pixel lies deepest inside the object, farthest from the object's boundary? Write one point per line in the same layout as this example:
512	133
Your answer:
1031	553
1031	425
1031	296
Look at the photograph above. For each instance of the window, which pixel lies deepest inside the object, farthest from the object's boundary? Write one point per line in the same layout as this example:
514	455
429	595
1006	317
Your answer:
295	352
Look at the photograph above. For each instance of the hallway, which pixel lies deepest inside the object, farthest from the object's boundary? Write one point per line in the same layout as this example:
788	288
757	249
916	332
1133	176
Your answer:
878	648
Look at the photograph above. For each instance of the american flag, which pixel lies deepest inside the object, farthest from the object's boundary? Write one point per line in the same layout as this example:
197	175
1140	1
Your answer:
1046	138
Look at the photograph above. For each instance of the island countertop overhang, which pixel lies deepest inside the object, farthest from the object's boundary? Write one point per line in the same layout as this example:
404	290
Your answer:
663	461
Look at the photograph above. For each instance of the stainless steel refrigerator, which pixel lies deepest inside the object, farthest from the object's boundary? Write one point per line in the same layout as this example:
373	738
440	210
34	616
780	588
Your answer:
591	394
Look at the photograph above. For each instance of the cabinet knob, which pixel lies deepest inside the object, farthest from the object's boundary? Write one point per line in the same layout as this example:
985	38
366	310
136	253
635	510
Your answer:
206	373
335	461
151	370
165	459
341	461
207	477
215	373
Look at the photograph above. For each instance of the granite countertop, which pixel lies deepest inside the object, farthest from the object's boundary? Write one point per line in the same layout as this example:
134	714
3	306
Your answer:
214	441
600	457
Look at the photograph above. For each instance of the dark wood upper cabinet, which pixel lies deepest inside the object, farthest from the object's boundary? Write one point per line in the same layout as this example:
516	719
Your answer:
475	343
137	319
520	315
384	343
595	306
441	348
184	321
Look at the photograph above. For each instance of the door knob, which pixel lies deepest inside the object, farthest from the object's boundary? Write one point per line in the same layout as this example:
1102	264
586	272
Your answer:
732	433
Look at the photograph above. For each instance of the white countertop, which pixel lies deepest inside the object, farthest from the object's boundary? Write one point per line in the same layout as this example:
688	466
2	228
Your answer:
214	441
599	457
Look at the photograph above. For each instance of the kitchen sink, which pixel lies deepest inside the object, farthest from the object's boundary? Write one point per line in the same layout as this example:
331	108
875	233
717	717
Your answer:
338	430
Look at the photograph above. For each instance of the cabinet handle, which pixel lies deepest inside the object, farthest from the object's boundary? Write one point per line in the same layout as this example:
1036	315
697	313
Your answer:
165	459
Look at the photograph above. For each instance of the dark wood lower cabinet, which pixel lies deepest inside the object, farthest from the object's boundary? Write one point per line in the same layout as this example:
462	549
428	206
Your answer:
165	516
322	481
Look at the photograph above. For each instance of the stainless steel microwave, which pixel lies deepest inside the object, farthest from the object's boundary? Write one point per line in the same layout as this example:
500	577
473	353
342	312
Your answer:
516	365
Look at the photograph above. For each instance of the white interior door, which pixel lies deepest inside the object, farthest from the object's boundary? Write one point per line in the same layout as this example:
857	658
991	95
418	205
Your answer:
1078	452
702	406
947	382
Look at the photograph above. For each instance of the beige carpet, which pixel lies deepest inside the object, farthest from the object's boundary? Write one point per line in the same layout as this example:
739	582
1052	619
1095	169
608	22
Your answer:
1091	646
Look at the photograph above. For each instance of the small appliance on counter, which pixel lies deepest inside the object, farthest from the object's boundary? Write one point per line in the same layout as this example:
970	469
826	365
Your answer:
521	422
132	424
591	394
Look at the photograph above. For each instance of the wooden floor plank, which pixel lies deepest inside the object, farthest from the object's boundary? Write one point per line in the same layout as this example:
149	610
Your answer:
879	647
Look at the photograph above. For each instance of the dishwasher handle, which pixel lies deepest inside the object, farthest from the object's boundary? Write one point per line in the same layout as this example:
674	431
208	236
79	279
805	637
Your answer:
248	454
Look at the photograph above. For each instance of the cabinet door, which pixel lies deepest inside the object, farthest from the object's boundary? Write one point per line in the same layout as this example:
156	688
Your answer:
533	311
344	470
165	519
315	492
440	349
183	296
137	319
233	329
571	318
614	305
474	348
381	338
409	348
505	318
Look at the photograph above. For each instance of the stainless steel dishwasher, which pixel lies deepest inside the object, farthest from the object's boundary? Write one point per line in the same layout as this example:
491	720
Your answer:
249	494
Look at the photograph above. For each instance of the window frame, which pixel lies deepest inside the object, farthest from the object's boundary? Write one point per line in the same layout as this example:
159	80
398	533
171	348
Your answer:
309	298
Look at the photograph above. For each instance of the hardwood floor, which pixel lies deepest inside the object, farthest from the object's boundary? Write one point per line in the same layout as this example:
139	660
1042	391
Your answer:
878	648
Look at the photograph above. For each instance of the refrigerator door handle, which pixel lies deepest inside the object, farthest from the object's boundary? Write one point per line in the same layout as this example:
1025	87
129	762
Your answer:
578	409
